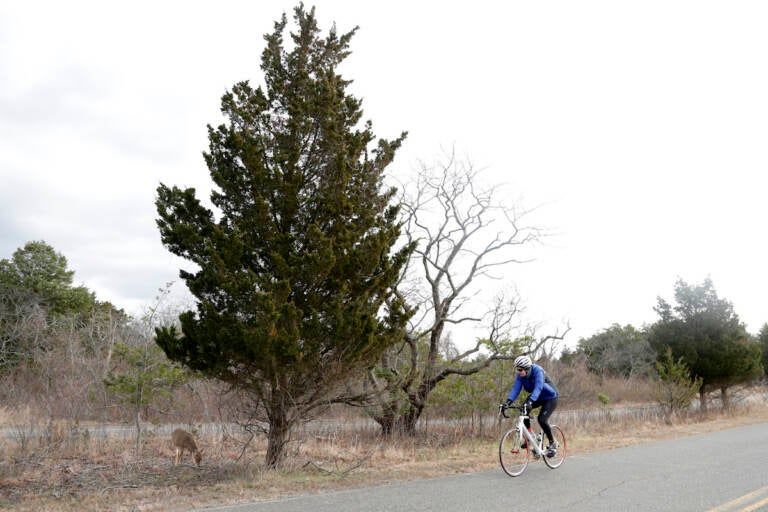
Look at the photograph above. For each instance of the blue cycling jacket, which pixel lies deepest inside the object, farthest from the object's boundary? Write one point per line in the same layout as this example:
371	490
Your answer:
533	383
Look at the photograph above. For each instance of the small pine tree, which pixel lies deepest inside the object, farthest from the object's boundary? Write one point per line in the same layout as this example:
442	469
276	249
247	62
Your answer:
143	374
675	388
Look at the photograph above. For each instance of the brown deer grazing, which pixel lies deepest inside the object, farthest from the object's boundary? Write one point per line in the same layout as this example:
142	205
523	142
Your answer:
182	440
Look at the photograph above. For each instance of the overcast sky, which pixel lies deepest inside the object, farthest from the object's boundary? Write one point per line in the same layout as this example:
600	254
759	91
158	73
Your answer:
638	129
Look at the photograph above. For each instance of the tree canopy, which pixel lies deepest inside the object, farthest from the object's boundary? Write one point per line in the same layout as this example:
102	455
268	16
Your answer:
37	272
618	351
763	339
36	290
703	331
296	266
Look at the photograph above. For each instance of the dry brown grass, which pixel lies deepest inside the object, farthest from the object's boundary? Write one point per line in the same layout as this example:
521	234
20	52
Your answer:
74	472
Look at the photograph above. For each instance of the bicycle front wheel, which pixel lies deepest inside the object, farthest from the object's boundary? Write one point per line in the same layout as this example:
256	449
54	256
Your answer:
559	456
512	457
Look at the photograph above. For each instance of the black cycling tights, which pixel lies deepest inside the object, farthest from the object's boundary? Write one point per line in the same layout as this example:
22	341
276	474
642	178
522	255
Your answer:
547	408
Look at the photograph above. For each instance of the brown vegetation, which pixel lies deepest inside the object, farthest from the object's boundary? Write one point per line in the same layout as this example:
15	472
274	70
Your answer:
55	453
67	469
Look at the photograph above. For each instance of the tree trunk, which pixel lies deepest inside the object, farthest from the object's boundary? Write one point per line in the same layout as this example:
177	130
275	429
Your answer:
410	418
724	397
138	431
277	438
703	399
387	423
404	423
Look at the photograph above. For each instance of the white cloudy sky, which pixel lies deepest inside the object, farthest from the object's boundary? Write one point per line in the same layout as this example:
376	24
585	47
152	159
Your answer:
640	128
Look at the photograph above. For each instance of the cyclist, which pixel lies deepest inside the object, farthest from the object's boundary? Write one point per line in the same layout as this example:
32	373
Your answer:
543	393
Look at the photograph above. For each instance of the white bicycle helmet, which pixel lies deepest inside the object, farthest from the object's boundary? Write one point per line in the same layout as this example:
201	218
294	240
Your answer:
523	362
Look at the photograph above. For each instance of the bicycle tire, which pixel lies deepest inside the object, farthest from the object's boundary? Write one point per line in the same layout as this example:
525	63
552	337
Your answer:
562	448
513	459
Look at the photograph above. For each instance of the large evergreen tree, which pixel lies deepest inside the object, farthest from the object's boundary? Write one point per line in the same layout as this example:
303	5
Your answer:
294	286
705	333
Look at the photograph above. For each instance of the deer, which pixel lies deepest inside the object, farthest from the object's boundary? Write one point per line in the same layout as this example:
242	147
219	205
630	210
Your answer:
183	440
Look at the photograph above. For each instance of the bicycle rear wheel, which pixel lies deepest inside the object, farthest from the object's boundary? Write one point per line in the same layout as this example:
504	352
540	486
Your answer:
513	459
559	456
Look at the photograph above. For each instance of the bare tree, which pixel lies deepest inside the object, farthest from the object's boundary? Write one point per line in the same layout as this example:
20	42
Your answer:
463	234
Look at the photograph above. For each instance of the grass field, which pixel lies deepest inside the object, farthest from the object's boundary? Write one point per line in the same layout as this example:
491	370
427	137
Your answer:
61	471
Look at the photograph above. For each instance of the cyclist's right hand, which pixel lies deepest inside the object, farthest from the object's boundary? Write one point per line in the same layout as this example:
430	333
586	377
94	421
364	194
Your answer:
527	406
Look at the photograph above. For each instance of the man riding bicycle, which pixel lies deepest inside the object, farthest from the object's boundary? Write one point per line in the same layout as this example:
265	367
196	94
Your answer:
543	393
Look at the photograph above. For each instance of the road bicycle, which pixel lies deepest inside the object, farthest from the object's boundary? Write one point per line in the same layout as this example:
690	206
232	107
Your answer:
514	457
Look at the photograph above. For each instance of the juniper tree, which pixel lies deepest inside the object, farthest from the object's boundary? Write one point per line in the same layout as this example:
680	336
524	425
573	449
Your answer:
704	331
297	265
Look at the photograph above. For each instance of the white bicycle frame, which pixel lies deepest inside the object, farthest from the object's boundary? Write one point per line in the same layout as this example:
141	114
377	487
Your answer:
510	445
537	445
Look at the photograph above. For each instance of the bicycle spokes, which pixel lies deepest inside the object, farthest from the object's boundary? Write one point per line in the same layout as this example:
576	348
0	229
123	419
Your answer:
556	456
512	456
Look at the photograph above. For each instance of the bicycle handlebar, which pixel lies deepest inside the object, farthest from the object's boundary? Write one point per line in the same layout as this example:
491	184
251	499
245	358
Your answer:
503	409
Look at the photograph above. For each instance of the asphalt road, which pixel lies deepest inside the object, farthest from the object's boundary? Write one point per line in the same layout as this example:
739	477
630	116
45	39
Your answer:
723	471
